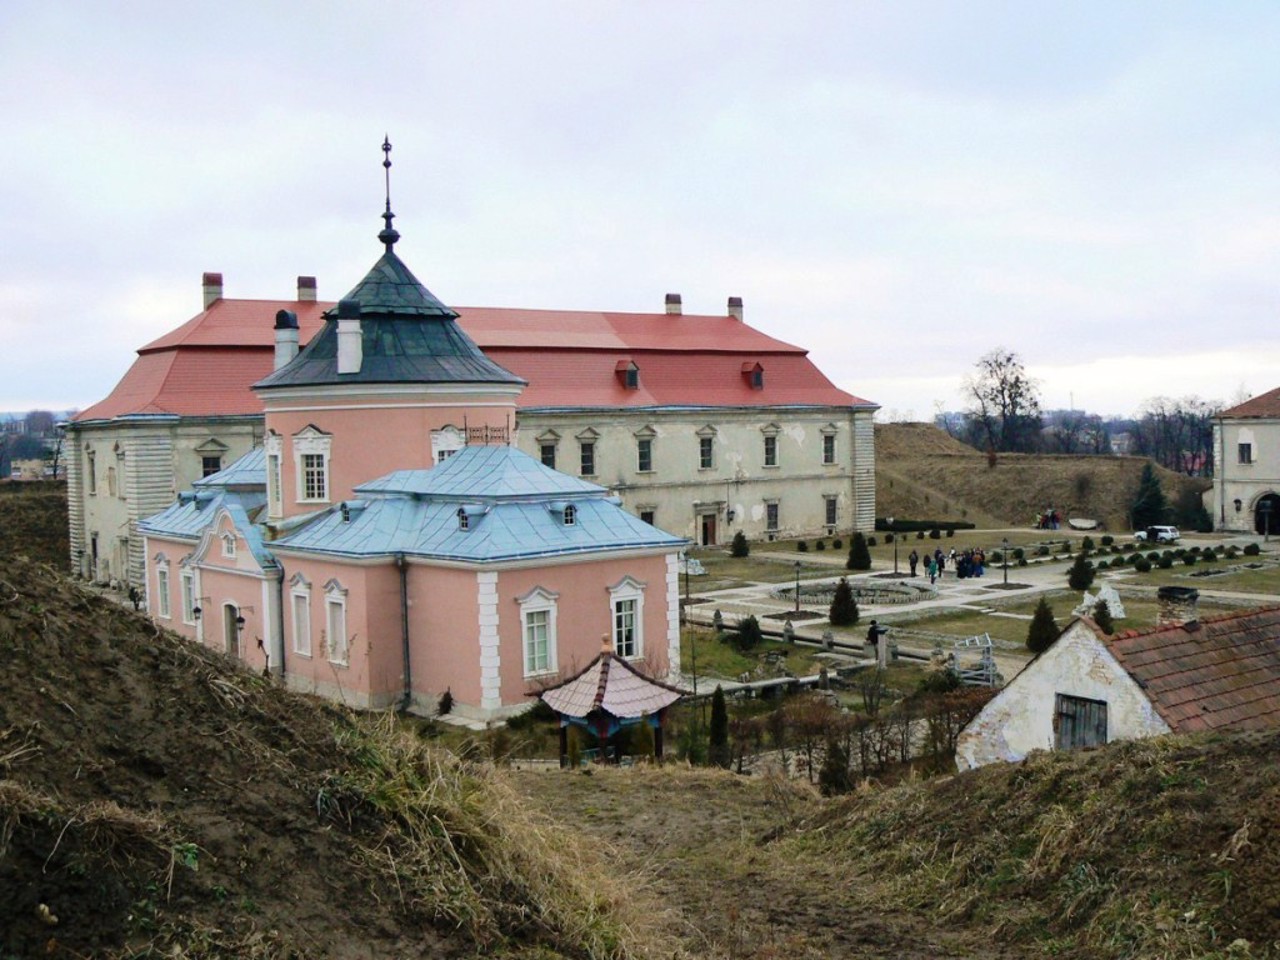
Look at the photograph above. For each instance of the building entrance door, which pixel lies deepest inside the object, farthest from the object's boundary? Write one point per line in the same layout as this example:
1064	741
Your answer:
708	532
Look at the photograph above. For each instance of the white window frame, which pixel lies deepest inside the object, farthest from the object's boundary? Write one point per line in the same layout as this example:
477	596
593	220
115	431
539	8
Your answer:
189	597
274	445
830	451
539	601
770	451
1244	453
335	615
627	596
310	442
570	515
300	593
163	608
445	442
228	545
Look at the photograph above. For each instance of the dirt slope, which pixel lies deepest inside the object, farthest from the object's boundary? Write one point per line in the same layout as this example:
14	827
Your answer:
153	797
1166	848
33	522
922	472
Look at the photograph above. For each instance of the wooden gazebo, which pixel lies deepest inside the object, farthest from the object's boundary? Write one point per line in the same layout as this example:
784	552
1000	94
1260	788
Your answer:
606	696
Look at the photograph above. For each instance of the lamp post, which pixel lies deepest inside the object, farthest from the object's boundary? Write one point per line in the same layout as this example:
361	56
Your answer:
1004	556
895	546
797	586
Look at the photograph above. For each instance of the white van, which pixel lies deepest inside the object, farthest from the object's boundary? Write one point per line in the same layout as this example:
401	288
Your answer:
1158	534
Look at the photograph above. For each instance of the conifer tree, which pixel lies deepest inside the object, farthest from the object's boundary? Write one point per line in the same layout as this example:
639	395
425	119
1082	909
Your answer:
1149	504
844	607
834	777
740	547
719	736
1102	617
1081	574
1043	630
859	555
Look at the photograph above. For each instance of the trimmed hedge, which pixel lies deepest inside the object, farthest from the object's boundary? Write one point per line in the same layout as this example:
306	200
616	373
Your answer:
907	526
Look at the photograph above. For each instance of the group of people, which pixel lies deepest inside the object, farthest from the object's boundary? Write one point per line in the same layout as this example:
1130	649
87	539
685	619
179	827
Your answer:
968	563
1048	519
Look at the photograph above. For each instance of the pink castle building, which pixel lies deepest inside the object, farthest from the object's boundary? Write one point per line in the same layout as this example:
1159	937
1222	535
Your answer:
387	543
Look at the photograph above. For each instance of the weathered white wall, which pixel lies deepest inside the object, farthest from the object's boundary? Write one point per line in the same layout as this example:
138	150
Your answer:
678	490
1021	716
1244	481
154	458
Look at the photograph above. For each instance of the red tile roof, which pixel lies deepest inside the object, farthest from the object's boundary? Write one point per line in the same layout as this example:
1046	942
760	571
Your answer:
208	365
1220	672
1264	405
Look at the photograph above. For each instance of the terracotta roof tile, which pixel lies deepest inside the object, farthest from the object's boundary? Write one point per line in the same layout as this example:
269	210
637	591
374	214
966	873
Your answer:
1264	405
1220	672
570	358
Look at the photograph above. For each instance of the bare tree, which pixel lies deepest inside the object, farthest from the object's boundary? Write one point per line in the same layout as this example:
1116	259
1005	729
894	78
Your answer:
39	423
1005	403
1177	433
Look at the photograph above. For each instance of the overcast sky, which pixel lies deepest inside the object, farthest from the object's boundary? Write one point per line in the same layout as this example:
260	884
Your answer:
899	187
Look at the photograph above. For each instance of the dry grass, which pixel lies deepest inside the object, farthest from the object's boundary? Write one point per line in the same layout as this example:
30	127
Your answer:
465	849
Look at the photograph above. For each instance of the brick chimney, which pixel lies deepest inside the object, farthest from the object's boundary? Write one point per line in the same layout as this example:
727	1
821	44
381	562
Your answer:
1176	606
735	307
307	288
212	283
673	304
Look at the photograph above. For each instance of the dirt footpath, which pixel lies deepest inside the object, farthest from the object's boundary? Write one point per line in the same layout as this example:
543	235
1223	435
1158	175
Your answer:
704	836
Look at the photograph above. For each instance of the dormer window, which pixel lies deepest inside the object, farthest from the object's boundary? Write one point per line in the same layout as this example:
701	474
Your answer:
570	515
753	373
229	546
464	521
628	374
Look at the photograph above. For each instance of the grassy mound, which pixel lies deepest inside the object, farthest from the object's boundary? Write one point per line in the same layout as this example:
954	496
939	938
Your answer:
1158	848
155	799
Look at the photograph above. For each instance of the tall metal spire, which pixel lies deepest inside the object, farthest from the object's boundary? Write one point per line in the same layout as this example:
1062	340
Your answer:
388	234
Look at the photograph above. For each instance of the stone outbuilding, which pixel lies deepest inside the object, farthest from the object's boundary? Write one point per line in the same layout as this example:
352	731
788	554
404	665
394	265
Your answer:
1089	689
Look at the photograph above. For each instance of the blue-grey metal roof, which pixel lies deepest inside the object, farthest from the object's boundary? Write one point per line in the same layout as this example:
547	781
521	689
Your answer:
483	473
507	530
191	516
248	471
407	336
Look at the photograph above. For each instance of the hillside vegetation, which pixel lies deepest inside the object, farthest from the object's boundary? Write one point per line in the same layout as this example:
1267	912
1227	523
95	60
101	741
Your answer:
157	800
33	522
921	472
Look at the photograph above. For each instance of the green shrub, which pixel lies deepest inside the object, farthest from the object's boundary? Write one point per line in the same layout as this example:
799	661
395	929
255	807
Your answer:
1042	630
1143	565
919	534
642	740
837	544
1102	617
749	633
1042	550
1165	562
859	555
951	531
718	754
1189	559
740	546
1087	543
820	545
935	534
1101	564
1019	553
1107	539
844	606
871	541
888	538
1153	555
802	546
1081	574
1252	550
835	776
